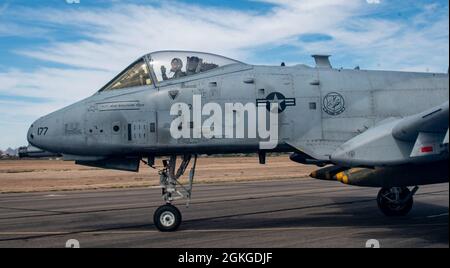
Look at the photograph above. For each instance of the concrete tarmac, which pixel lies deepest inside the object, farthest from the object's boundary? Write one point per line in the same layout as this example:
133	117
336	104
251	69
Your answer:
285	213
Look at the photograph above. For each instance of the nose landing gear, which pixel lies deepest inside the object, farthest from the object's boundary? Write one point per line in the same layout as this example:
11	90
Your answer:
396	201
167	218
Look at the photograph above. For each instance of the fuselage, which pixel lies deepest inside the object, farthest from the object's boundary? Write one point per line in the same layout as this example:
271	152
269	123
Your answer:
323	108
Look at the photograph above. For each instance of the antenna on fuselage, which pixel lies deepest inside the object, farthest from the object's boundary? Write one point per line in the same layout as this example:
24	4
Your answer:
322	61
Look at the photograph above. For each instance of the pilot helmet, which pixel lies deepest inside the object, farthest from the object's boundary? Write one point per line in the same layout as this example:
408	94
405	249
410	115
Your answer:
177	64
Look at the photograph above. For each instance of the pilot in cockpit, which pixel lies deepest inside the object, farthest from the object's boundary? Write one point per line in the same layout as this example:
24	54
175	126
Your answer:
176	66
193	65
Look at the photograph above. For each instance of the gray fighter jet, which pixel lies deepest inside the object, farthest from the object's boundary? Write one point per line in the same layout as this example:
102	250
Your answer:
366	128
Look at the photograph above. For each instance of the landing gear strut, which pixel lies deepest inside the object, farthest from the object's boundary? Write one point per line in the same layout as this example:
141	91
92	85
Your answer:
167	218
396	201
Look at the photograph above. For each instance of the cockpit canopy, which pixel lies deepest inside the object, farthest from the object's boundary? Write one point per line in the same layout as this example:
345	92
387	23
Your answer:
162	66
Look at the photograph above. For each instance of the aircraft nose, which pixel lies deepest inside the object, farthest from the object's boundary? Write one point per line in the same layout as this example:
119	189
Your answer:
32	135
44	132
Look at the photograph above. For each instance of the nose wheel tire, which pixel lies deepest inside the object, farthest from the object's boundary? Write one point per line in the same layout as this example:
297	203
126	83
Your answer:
394	202
167	218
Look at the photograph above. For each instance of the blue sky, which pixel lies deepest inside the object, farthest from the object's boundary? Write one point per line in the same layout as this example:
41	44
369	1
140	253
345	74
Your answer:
53	53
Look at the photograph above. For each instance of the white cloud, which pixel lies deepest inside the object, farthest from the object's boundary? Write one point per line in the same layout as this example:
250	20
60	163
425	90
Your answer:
62	85
373	2
114	37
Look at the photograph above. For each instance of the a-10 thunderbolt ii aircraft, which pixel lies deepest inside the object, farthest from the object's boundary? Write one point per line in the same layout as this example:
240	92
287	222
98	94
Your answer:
366	128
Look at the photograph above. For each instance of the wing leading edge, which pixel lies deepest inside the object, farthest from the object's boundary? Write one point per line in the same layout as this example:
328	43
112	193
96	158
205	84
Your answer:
418	138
